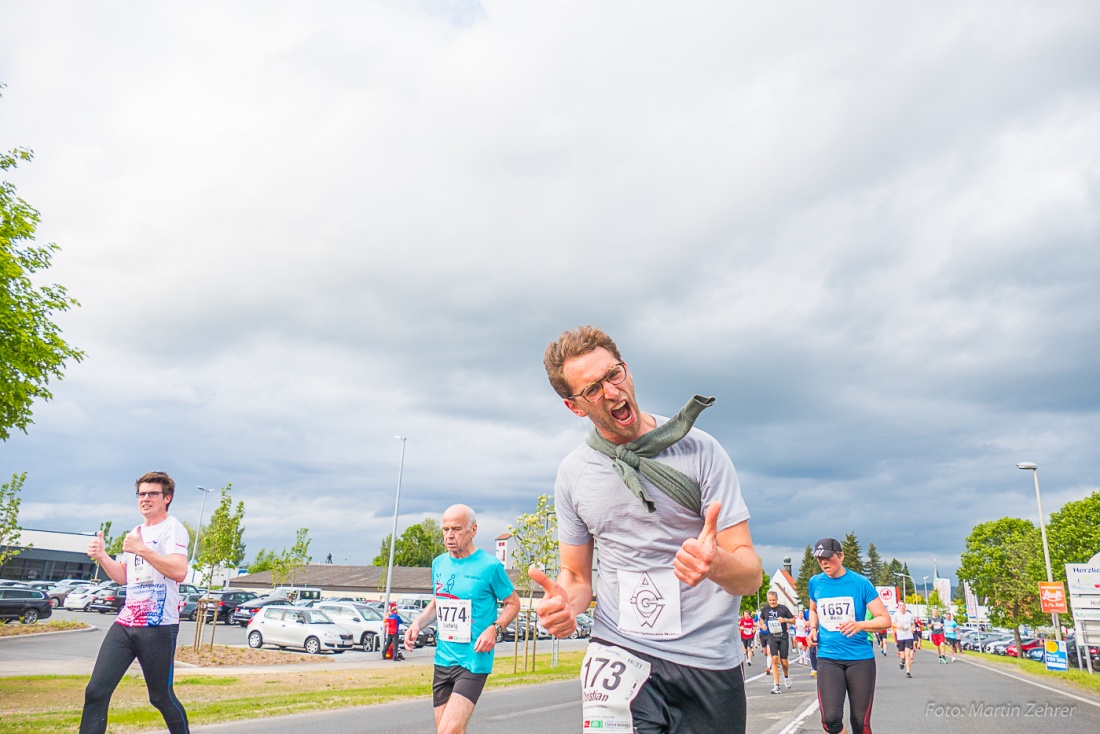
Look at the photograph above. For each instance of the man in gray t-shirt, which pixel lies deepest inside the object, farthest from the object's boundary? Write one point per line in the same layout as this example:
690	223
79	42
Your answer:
670	579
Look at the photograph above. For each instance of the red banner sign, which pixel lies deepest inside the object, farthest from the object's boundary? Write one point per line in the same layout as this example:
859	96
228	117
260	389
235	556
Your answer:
1052	597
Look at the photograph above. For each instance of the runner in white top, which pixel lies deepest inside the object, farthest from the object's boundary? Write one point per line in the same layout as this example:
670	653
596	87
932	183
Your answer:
902	622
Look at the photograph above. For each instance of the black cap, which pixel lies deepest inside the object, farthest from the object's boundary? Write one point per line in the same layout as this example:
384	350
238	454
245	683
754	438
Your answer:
827	547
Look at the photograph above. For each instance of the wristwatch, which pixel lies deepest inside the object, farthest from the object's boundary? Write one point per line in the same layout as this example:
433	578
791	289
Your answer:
499	628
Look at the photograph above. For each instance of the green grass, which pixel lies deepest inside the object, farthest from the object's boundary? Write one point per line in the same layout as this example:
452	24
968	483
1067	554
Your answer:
51	704
1080	679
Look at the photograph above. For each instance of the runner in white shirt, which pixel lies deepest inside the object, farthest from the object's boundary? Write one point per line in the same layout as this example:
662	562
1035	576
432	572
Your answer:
903	634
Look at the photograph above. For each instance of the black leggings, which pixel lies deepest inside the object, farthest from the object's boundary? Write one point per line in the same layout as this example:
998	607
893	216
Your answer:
155	649
837	678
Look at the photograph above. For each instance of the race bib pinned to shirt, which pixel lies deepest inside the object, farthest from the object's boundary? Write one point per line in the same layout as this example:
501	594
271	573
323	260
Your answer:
454	617
649	603
610	679
833	611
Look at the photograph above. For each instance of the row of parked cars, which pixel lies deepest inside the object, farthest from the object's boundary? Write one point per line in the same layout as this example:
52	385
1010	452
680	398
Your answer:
999	641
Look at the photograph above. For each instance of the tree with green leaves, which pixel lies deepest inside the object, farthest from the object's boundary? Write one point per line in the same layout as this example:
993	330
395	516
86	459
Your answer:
1073	533
417	547
536	537
853	553
809	567
221	543
754	602
874	566
1003	562
889	576
298	555
32	351
10	544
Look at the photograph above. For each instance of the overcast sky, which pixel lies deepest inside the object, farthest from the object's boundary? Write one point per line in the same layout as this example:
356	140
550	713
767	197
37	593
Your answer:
299	230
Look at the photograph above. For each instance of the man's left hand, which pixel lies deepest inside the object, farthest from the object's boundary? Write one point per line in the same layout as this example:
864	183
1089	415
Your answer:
695	557
487	640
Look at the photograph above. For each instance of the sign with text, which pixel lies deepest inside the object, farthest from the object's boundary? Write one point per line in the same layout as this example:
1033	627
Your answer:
1052	597
1055	655
889	596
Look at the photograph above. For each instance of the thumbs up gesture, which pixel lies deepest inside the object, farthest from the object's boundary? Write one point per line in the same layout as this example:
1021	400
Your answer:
694	559
96	547
133	543
555	611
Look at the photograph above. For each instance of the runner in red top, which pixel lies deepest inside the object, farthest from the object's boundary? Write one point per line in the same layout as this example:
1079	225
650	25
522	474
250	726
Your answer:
748	634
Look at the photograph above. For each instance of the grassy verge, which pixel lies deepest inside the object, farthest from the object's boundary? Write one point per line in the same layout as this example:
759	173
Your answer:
13	629
52	704
1079	679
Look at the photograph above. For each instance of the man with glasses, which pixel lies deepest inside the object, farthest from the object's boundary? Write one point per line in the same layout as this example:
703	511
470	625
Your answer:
662	502
152	565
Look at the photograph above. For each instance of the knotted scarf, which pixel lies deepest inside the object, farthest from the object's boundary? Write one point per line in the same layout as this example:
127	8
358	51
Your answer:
634	457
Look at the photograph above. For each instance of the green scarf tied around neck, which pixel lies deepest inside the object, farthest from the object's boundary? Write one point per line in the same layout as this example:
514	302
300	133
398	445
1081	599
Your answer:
636	456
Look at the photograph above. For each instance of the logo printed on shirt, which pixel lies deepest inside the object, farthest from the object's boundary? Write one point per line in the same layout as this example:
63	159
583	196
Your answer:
647	601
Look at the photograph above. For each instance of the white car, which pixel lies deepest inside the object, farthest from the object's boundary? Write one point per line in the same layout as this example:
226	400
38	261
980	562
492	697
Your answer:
80	598
363	621
309	629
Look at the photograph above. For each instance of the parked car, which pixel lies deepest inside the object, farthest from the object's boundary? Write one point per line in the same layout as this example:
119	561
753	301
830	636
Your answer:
1036	653
243	614
536	629
226	602
190	589
998	647
190	608
427	636
80	598
1028	643
363	621
28	605
288	626
109	600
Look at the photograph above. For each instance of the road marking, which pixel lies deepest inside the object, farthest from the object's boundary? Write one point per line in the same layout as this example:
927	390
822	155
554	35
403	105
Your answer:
797	723
1033	683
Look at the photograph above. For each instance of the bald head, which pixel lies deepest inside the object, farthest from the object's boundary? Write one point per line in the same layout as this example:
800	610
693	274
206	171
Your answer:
459	529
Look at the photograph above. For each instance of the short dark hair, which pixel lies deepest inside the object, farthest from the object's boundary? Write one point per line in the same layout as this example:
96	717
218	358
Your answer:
167	484
572	344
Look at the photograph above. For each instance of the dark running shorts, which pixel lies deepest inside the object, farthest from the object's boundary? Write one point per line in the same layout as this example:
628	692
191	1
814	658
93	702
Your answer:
779	646
747	642
905	645
687	700
456	679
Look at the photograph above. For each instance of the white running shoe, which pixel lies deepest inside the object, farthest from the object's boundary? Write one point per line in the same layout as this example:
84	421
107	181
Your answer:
776	690
787	681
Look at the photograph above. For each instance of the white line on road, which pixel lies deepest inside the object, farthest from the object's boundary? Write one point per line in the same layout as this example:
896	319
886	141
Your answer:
1033	683
797	723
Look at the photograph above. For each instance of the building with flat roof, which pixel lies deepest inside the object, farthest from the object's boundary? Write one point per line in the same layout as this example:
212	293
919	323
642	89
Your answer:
48	555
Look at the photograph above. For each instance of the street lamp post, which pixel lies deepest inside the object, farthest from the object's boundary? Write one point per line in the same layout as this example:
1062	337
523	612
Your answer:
393	532
1034	469
198	528
924	580
903	577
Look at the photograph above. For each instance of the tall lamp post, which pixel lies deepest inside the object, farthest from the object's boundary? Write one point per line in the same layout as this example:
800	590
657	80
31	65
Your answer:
393	532
903	577
198	528
1034	469
924	581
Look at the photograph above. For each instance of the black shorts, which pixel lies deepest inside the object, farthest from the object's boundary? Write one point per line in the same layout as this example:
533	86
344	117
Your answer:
687	700
904	645
779	646
840	679
456	679
880	636
747	642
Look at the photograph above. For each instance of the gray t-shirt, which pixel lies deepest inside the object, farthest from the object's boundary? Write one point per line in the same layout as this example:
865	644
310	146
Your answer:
641	605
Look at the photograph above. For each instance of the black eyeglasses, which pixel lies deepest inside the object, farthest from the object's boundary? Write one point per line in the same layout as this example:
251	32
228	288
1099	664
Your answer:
593	393
143	495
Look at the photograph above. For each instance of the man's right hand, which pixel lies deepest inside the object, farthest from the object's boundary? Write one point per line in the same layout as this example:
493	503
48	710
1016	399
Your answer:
96	547
555	612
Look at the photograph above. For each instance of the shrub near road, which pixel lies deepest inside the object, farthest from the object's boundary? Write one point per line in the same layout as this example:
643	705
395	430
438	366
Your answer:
52	704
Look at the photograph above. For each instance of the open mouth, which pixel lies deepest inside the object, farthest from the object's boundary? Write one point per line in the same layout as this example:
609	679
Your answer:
622	413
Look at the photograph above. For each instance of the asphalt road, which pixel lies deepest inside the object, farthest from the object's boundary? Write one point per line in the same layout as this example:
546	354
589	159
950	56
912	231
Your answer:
964	697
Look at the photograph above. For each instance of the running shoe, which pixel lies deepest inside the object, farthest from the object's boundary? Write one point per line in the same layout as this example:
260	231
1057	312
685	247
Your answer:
787	681
901	665
908	675
776	690
813	673
748	662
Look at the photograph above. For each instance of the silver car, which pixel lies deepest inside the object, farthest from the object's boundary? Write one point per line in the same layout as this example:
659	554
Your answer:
80	598
287	626
364	622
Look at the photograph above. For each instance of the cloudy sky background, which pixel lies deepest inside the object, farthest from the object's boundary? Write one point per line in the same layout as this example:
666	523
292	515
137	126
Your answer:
296	232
